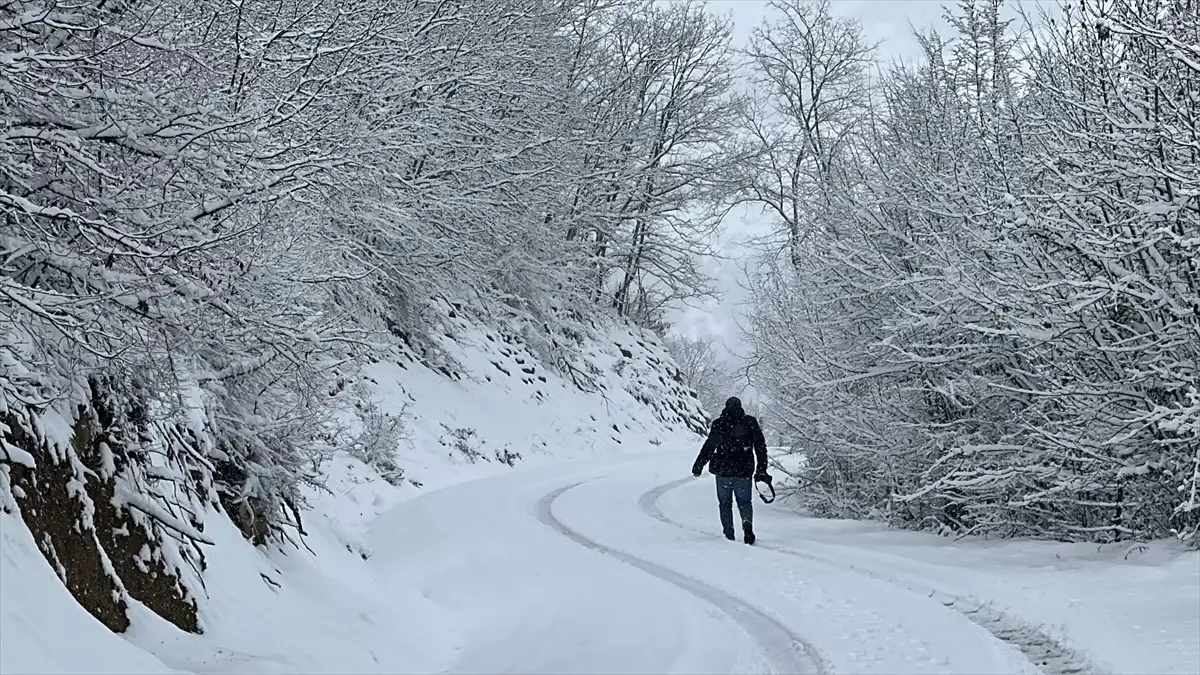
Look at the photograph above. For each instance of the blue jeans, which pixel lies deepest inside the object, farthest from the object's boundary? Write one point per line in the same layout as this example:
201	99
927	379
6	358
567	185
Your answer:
729	488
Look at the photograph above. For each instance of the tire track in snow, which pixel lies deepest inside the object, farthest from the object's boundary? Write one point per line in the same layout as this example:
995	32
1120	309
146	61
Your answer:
785	651
1043	651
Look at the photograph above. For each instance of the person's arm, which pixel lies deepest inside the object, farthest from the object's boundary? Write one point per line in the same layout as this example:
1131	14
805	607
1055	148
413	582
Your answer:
706	452
760	452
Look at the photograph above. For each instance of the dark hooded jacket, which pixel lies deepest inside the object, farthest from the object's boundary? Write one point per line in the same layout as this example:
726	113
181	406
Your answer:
733	445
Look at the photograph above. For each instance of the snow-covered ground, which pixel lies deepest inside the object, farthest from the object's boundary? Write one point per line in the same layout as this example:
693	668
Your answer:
505	400
651	586
596	551
1135	614
617	565
1115	608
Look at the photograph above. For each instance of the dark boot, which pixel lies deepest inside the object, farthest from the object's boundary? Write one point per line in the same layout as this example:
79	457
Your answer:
748	530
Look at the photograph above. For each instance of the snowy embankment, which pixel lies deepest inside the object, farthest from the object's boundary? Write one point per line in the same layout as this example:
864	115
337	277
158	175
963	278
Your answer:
596	551
479	402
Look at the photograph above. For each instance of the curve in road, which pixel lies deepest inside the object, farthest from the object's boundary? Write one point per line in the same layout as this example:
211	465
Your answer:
785	651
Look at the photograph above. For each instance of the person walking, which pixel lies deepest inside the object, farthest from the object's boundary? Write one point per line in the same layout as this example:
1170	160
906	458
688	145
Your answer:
735	452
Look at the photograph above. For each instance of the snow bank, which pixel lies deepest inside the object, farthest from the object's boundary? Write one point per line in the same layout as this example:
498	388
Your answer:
487	404
42	628
616	395
316	609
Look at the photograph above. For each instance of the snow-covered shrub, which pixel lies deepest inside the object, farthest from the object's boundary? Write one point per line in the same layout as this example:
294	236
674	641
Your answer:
462	440
376	444
506	456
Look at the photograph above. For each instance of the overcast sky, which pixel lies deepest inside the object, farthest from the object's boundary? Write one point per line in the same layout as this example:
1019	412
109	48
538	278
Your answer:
884	21
888	23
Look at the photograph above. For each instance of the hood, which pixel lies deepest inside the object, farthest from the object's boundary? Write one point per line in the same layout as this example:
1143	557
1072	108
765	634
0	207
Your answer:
733	408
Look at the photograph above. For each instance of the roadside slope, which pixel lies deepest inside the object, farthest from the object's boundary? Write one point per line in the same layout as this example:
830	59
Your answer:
476	396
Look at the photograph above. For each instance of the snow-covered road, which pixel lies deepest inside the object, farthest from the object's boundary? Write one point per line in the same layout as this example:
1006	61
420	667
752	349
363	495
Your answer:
621	568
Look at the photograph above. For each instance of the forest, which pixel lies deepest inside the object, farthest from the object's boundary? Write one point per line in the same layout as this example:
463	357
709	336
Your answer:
986	317
980	314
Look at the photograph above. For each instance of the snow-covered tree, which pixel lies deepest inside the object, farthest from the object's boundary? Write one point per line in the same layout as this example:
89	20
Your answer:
994	327
212	211
655	102
701	368
811	79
